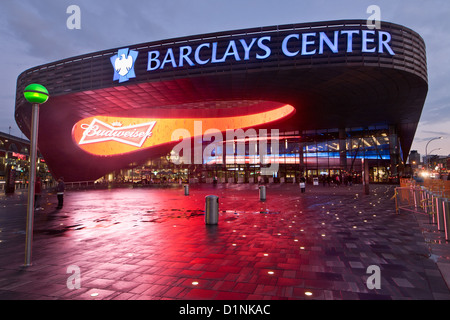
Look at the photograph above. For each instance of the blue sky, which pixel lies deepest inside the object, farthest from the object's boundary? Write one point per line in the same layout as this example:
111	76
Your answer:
34	32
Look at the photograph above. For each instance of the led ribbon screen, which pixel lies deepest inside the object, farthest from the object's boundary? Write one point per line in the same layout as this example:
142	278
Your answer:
110	135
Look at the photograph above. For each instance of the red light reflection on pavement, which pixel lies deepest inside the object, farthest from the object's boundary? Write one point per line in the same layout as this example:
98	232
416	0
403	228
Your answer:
152	243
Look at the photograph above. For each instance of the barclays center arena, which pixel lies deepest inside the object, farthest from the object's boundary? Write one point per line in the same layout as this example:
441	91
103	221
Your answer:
316	100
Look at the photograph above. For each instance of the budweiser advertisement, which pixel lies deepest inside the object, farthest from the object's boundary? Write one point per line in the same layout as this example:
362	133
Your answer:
107	135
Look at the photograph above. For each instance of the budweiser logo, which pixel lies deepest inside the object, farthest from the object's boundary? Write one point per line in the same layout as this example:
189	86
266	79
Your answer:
98	131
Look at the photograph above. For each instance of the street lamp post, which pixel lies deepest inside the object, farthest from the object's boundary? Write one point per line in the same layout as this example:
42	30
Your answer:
36	94
426	148
431	152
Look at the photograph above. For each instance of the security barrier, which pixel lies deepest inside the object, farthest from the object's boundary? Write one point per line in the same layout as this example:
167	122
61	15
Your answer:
431	201
436	185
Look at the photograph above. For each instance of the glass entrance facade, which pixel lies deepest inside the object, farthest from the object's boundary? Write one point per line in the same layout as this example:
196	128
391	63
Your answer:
321	156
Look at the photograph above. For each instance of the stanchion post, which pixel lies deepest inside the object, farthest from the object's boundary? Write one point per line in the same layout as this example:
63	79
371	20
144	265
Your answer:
211	210
262	193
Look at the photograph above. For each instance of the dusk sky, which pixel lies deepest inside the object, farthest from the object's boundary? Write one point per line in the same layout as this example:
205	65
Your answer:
34	32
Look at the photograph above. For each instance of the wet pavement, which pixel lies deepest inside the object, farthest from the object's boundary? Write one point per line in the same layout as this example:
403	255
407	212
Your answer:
152	243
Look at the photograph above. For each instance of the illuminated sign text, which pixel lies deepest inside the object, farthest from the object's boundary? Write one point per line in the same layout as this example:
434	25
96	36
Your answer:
295	44
98	131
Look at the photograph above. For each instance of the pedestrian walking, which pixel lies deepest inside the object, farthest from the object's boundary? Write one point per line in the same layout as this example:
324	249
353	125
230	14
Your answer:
302	184
37	193
60	192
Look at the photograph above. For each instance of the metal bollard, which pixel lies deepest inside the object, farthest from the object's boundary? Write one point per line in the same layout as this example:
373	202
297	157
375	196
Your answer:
262	193
211	210
186	189
446	214
440	213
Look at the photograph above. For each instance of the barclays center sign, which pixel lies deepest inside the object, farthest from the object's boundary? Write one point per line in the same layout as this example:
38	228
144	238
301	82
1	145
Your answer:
289	46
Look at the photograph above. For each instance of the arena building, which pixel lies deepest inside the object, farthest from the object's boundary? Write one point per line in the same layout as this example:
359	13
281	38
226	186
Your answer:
328	95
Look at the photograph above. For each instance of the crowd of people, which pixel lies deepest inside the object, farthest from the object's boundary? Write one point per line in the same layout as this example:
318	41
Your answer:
336	179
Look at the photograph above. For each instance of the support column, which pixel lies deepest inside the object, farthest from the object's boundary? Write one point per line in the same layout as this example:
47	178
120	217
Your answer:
342	149
394	150
302	161
365	175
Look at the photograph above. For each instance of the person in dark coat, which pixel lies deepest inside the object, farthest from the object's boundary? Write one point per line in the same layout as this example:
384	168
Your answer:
60	192
302	184
37	193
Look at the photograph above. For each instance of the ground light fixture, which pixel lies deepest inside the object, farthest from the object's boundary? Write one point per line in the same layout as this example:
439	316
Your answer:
35	94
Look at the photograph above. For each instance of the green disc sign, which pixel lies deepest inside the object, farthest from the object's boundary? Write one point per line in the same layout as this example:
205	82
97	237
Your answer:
36	93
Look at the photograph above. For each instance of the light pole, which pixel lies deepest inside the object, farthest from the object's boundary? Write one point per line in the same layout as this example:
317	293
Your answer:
426	148
36	94
431	152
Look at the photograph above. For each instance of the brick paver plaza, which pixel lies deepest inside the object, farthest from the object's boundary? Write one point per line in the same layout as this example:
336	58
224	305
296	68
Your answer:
152	243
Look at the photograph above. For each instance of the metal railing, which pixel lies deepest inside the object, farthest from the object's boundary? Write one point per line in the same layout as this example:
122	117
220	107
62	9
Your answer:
420	199
80	184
